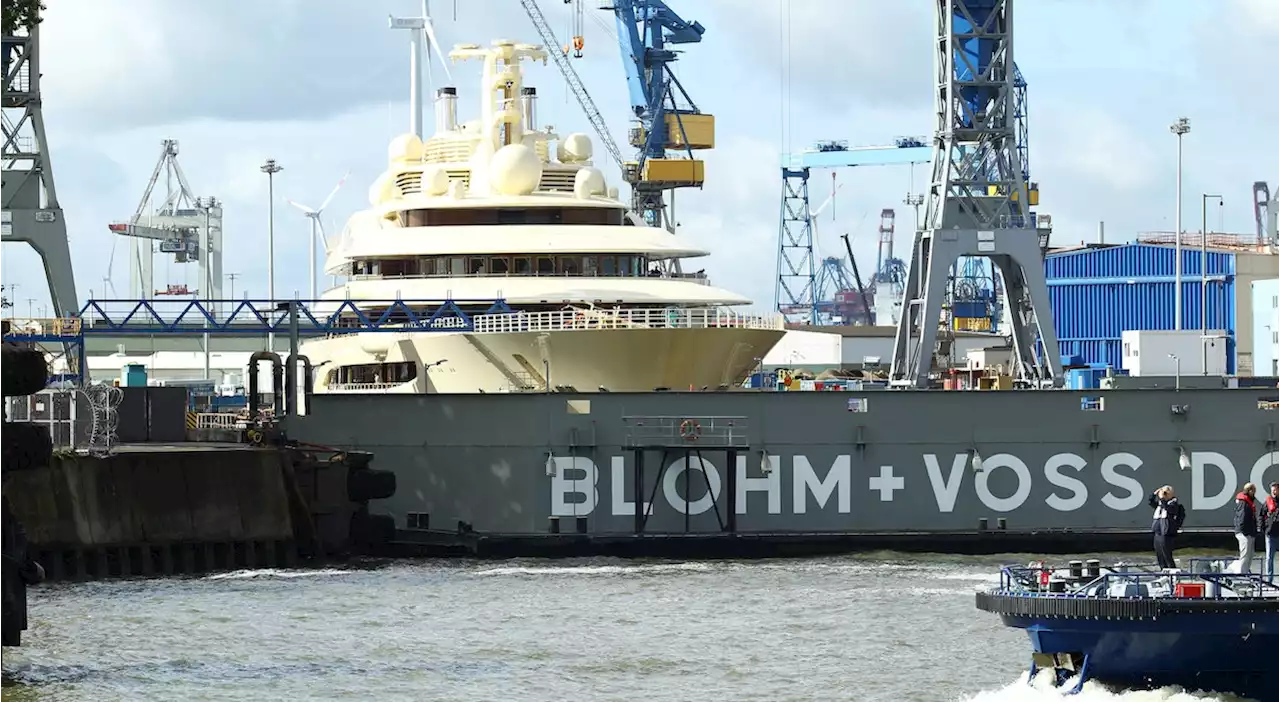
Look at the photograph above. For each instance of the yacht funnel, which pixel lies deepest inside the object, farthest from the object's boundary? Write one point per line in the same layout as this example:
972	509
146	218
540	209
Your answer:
529	108
446	109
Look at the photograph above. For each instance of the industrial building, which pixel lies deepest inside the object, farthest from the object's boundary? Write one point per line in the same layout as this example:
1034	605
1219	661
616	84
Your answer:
1266	326
1099	291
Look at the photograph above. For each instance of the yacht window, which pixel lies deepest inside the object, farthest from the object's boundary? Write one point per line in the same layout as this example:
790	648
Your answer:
569	265
609	265
476	265
546	265
524	265
457	266
499	265
442	266
590	266
624	266
459	216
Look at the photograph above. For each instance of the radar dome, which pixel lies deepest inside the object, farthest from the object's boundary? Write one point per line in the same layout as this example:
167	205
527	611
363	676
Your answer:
457	189
515	170
435	181
383	189
588	182
406	147
575	148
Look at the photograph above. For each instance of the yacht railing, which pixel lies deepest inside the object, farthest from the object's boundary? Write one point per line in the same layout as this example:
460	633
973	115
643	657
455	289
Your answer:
699	278
362	387
568	320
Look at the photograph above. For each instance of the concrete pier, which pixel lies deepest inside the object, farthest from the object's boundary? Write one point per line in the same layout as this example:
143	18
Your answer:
159	509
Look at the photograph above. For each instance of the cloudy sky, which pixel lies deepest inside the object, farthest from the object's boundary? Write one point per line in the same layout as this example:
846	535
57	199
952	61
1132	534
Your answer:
321	86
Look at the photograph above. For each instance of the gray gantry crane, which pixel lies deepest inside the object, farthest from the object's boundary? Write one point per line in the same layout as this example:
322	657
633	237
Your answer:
31	213
187	227
973	209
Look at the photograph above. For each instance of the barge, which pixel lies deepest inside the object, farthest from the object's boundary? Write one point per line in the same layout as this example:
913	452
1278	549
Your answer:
1136	627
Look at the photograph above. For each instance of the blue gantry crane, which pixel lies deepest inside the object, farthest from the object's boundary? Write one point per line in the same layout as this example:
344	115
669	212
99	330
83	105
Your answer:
668	126
972	292
667	122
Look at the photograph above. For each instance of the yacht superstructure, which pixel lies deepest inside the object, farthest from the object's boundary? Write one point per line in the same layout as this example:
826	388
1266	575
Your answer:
481	211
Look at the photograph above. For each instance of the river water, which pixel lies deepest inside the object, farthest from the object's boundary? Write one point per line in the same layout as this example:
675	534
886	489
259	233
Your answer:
868	628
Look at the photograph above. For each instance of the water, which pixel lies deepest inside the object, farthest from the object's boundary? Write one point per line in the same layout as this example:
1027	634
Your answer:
852	628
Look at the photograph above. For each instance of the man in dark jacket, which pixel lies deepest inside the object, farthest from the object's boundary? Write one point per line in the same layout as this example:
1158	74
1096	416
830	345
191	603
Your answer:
1269	525
1246	526
1165	523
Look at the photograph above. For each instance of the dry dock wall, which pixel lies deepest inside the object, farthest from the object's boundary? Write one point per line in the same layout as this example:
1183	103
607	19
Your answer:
837	463
155	509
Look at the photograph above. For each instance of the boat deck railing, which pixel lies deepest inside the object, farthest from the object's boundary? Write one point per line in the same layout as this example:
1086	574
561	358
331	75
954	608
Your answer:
1122	581
569	320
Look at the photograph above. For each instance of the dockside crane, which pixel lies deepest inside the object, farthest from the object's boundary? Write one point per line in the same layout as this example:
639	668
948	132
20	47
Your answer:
187	227
972	289
668	126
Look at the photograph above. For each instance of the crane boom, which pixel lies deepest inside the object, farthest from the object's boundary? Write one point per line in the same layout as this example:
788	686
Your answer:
571	77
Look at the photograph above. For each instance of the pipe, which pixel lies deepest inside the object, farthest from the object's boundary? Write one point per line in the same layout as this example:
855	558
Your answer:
308	382
1102	232
446	109
276	373
291	369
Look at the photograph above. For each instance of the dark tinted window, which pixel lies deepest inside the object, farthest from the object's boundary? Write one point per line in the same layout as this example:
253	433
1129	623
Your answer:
455	217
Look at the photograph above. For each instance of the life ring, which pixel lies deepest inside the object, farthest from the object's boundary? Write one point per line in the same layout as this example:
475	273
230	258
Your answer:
255	437
690	430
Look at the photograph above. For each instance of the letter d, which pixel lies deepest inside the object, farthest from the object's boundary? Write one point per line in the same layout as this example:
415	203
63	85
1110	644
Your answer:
1200	461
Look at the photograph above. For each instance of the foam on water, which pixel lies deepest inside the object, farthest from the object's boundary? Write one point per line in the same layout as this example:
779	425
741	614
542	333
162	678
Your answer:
595	570
1042	690
275	573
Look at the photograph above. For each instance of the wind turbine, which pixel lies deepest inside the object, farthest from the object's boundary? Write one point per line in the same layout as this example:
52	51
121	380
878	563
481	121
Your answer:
422	29
317	230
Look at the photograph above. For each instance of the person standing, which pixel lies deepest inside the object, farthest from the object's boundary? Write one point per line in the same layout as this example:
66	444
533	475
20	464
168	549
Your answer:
1246	526
1165	523
1269	525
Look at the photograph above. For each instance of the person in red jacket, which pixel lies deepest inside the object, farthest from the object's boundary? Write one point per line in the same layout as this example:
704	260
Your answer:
1246	526
1269	525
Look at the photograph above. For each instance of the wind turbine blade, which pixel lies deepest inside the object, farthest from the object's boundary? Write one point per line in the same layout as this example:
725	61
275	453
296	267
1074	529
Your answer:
324	238
304	208
429	28
333	192
825	203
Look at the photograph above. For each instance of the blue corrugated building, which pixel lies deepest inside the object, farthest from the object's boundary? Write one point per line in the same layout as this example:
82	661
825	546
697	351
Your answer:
1098	291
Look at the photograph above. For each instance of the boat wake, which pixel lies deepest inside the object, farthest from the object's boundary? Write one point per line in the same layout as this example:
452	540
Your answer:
1042	690
275	573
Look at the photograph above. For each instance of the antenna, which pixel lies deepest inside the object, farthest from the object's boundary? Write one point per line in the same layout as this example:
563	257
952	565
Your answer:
421	29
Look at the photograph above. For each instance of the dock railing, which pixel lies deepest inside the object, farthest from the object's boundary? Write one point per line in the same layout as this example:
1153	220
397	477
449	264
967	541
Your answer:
685	432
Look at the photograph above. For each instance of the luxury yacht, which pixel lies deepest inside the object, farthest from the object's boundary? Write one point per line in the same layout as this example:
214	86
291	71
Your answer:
479	213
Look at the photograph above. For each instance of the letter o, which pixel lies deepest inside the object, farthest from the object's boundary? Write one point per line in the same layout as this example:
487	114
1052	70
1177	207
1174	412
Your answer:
1019	496
1257	476
700	505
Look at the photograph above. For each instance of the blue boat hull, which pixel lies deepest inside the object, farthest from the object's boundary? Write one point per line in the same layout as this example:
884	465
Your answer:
1233	653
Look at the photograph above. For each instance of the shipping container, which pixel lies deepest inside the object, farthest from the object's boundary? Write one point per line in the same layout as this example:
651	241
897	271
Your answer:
1099	292
1174	353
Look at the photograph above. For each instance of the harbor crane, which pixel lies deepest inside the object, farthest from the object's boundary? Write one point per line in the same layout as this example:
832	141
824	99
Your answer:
31	211
667	123
188	228
972	208
972	283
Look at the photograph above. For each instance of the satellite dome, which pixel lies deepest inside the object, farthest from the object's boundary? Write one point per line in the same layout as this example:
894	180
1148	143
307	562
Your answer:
575	148
383	189
588	182
406	147
515	170
435	181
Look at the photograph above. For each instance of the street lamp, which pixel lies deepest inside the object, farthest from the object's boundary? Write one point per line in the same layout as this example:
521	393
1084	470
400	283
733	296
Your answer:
1182	126
271	169
1177	371
1204	280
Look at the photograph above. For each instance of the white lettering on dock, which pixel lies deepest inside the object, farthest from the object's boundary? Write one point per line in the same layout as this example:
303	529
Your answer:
575	483
805	481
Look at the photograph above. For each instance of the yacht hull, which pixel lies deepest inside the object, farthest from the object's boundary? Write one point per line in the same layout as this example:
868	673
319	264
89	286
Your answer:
618	360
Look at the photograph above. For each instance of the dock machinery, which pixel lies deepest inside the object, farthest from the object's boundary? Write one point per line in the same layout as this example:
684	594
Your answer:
973	210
